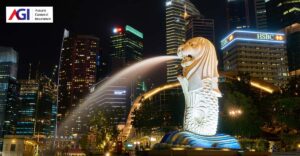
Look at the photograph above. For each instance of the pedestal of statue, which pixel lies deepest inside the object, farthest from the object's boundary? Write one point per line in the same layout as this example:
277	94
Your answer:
204	152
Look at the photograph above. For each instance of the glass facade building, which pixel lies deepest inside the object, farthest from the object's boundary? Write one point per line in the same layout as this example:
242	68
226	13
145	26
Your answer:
114	100
246	14
47	108
282	13
200	27
8	91
127	46
37	110
293	47
28	110
177	11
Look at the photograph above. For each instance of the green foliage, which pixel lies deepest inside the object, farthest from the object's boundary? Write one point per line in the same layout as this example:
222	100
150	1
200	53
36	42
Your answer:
103	129
286	111
165	115
237	95
258	145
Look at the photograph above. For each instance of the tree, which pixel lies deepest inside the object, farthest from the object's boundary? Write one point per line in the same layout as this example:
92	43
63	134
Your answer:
102	131
164	114
238	96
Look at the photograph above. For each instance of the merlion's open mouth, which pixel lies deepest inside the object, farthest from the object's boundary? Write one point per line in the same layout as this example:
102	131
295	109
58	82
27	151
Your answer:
186	60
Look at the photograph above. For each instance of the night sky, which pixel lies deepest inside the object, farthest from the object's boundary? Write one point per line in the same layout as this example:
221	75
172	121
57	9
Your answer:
42	42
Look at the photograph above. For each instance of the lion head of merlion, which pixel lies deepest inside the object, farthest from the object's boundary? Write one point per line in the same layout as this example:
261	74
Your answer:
199	62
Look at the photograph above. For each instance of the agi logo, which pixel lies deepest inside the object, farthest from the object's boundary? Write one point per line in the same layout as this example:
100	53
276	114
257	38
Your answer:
25	14
20	14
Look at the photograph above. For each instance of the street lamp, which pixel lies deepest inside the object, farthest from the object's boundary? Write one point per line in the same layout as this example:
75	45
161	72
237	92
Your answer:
235	112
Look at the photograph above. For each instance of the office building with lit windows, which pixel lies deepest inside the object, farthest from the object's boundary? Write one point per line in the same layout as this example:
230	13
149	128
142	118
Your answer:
27	111
246	14
46	108
115	100
177	11
284	15
293	47
8	91
127	46
37	110
261	55
261	15
77	73
198	26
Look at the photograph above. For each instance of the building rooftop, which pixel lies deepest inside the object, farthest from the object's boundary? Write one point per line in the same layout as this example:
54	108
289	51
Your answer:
252	36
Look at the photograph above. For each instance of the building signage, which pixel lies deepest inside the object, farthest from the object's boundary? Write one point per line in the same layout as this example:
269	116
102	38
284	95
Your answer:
119	92
252	36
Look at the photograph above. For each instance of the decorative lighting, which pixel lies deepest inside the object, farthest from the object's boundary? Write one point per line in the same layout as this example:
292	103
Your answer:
257	85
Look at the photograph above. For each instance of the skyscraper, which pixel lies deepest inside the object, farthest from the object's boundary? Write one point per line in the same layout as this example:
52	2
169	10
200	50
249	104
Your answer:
198	26
37	110
261	15
77	73
293	47
284	15
8	90
47	107
27	111
176	13
127	44
261	55
245	14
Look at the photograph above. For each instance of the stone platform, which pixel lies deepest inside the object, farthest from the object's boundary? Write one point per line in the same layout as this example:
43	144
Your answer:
191	140
191	152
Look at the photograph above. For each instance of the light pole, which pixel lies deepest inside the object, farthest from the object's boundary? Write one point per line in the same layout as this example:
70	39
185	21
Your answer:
235	112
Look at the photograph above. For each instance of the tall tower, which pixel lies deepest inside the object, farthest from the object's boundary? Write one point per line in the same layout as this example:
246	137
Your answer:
177	11
198	26
240	14
127	44
37	110
282	13
77	73
261	15
47	107
8	91
285	15
246	14
27	111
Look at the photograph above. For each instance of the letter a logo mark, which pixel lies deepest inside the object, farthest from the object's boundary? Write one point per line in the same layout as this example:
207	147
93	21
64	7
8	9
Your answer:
13	14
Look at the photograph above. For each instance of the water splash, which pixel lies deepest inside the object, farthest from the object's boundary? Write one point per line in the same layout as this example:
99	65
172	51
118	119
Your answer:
143	67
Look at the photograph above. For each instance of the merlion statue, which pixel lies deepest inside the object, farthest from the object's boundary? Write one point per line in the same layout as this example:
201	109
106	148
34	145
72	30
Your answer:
199	83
